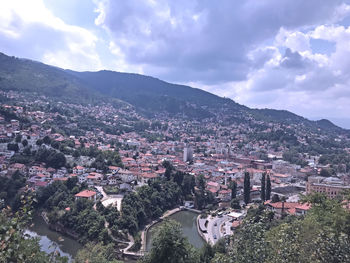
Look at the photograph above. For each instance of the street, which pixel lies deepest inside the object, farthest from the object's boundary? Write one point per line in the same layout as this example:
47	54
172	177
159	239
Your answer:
214	226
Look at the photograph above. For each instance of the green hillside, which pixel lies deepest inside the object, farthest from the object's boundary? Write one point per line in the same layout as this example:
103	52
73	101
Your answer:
150	96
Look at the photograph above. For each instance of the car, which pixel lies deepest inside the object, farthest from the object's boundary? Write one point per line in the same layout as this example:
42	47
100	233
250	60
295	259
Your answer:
215	237
215	224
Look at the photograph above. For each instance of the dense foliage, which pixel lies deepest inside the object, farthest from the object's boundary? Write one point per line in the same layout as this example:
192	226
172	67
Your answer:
321	236
14	245
169	245
151	201
79	218
9	187
246	188
96	253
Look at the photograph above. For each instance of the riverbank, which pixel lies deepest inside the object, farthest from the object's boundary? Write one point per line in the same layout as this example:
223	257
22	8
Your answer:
51	240
188	223
142	251
201	234
59	228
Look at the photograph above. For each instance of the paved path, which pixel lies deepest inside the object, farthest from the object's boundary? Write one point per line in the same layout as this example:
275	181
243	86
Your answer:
215	227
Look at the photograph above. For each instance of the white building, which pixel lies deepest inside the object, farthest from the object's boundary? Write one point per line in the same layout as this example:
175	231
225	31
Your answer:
188	154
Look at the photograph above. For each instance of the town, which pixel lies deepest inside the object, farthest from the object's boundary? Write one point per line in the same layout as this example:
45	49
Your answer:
113	151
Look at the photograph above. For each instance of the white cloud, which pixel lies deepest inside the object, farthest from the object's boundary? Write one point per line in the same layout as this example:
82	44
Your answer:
28	29
259	53
296	41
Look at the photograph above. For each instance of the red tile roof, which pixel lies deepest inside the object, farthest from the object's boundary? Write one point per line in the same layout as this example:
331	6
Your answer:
86	193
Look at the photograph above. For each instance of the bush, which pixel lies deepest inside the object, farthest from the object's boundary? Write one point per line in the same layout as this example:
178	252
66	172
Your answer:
111	190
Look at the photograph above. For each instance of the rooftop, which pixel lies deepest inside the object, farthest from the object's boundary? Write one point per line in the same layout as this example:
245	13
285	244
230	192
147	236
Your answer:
86	194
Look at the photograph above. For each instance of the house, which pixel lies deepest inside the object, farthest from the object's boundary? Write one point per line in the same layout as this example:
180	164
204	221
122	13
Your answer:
94	178
283	178
213	186
330	186
79	170
113	169
236	215
82	178
225	195
112	180
17	167
39	184
126	176
125	187
280	208
145	177
86	194
235	224
302	209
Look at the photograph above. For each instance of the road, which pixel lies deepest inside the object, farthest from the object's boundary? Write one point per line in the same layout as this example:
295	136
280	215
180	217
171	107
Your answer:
214	227
110	199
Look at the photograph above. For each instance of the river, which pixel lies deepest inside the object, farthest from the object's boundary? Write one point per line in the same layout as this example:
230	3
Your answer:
188	221
51	240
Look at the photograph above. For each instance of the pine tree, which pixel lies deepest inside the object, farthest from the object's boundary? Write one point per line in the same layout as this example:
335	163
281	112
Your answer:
233	187
262	190
268	188
246	189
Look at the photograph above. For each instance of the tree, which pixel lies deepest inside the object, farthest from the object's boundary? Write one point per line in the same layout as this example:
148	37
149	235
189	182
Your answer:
12	147
76	154
24	143
207	253
18	138
56	160
268	188
325	173
39	142
14	246
262	190
249	243
233	187
235	204
97	253
201	182
169	245
246	189
275	198
47	140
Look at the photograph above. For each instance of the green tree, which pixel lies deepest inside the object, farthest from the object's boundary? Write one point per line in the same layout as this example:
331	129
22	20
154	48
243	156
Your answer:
12	147
275	198
97	253
24	143
268	188
235	204
201	182
18	138
76	154
249	244
39	142
325	173
262	190
206	253
246	189
47	140
233	187
169	245
14	247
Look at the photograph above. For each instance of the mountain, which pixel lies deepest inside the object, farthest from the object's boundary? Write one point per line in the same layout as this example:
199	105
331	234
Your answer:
150	96
31	76
154	95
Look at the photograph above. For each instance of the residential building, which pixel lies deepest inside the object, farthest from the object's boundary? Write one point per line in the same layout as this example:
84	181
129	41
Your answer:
330	186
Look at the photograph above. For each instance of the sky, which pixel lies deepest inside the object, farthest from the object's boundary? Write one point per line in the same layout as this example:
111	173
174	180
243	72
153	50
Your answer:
280	54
